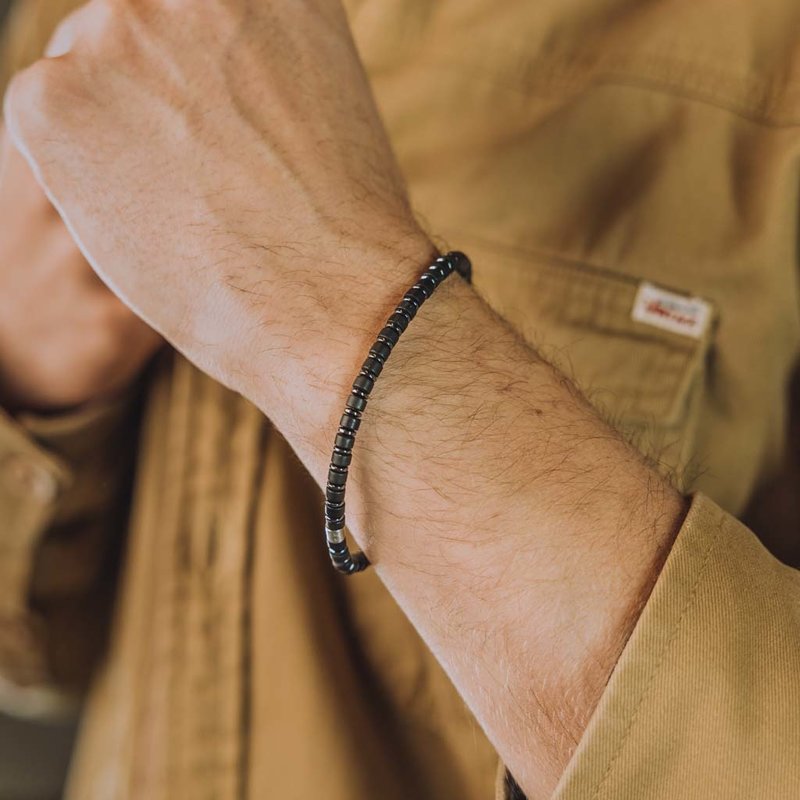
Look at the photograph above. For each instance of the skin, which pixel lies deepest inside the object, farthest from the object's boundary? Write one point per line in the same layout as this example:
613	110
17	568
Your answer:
65	339
224	169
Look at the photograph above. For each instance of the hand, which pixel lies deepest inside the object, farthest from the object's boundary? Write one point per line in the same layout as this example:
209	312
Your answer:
225	170
65	340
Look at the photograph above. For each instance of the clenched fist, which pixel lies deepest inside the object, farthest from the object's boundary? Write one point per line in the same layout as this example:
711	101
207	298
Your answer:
65	340
224	168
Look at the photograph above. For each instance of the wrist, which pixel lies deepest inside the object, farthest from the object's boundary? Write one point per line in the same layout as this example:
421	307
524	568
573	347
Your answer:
302	381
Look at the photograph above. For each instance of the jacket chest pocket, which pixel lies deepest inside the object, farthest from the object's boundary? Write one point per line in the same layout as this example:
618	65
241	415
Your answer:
638	354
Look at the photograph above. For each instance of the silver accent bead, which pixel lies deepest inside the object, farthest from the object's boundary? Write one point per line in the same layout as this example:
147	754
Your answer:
334	537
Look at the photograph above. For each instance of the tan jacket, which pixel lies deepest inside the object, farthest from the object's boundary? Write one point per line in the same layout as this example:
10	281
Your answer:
575	148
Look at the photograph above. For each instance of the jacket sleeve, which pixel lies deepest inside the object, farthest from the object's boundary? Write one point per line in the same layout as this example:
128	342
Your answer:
64	485
705	699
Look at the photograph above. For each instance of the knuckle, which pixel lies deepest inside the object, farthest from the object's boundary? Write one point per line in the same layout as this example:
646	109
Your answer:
29	81
63	38
106	17
86	30
28	97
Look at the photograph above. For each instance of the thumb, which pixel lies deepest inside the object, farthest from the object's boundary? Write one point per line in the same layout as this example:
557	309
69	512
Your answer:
17	181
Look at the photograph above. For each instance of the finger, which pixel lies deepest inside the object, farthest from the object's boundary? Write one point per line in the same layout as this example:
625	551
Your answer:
34	103
17	180
34	93
78	25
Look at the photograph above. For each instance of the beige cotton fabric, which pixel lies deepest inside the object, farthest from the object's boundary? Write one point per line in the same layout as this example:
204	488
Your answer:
574	148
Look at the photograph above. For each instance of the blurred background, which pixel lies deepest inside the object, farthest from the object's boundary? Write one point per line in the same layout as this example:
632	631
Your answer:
33	757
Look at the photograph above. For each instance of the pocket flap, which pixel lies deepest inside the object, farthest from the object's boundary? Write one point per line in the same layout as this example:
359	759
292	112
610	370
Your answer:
581	318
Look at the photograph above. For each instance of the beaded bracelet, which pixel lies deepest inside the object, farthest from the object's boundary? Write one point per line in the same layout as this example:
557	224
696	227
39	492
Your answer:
343	560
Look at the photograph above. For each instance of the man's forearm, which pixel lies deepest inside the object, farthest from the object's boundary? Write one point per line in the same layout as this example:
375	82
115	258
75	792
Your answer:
517	530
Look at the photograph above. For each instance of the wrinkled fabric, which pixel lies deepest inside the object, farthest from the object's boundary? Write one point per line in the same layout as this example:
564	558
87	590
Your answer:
574	148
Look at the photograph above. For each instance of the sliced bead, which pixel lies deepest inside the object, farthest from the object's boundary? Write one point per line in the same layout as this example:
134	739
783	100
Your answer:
350	422
405	312
389	335
364	382
381	350
430	280
356	403
398	321
373	366
443	268
333	515
417	294
411	302
342	459
334	494
345	441
337	477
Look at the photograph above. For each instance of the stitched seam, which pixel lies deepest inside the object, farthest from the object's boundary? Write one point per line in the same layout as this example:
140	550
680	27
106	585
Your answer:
666	62
665	68
555	261
774	120
772	110
667	647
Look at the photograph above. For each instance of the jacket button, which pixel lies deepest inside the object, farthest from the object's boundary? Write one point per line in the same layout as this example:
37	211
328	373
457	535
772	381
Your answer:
23	475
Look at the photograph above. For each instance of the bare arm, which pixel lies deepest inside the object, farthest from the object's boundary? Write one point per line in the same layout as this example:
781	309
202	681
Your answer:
517	531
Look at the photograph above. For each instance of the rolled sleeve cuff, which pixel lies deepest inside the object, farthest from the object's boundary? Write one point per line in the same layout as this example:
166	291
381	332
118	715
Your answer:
705	699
